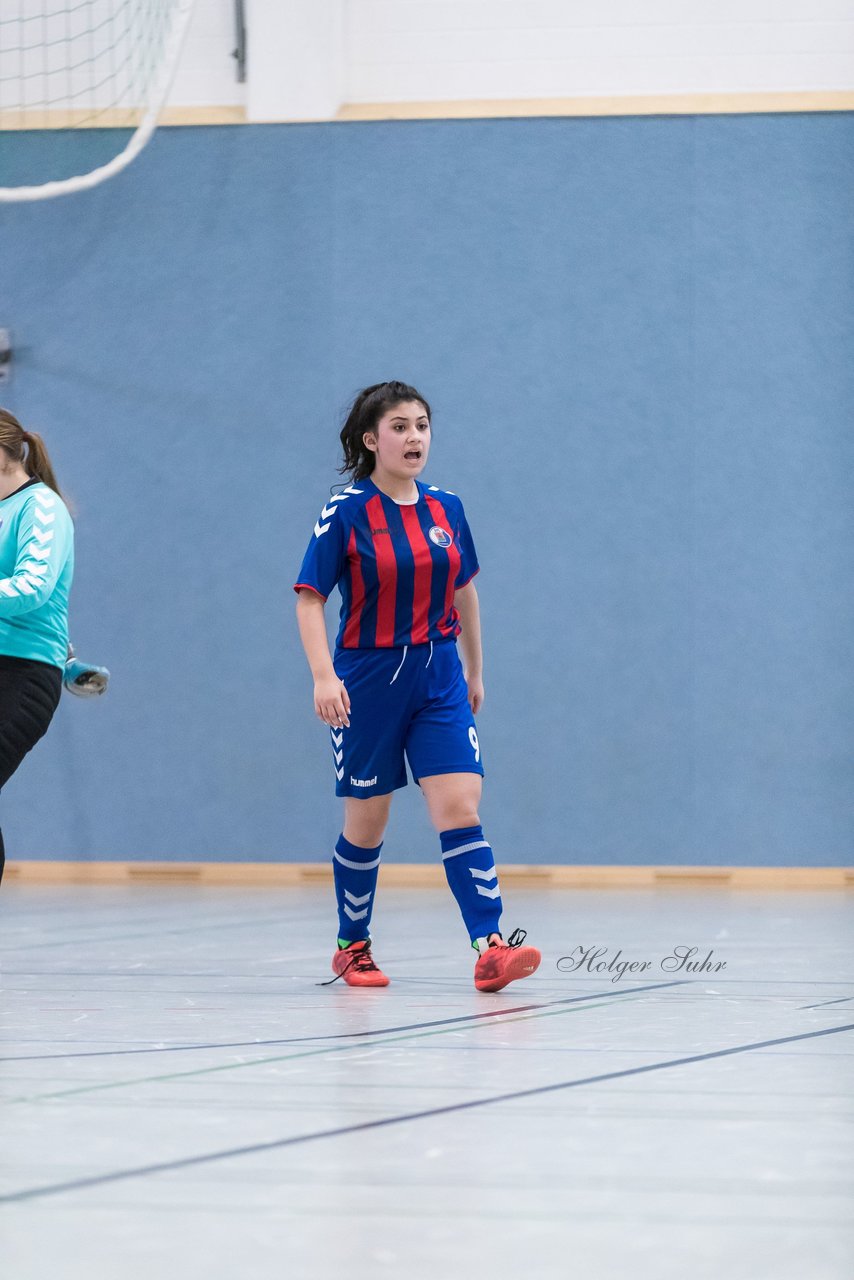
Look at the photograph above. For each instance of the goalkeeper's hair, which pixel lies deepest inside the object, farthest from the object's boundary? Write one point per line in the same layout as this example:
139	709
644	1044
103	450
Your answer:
27	448
363	416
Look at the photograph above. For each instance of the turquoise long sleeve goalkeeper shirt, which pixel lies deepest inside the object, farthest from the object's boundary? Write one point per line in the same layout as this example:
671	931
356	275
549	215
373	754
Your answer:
36	568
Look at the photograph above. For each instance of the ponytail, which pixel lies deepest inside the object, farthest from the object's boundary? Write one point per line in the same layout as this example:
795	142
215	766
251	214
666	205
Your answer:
27	448
37	461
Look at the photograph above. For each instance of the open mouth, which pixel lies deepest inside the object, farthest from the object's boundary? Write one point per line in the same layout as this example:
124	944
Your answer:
413	455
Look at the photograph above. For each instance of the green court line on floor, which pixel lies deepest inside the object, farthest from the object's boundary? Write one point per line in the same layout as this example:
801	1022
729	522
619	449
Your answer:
313	1053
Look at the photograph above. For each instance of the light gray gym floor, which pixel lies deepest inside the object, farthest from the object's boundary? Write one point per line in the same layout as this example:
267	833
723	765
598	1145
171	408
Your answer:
183	1100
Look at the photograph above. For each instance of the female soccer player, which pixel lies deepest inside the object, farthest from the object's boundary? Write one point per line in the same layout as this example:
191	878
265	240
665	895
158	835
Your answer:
36	567
403	558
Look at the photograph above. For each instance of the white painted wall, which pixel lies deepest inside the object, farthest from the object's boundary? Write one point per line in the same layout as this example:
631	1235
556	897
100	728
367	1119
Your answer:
207	73
295	59
405	50
306	57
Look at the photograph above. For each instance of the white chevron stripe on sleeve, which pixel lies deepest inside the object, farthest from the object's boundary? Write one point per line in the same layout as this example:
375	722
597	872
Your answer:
43	535
45	516
8	587
329	509
489	893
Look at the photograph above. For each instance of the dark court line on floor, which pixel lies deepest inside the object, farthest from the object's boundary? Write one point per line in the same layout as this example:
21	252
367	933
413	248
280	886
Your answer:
825	1003
188	1162
345	1035
203	927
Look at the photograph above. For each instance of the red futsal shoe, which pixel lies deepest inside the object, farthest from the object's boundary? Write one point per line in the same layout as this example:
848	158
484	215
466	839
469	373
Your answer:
504	962
355	965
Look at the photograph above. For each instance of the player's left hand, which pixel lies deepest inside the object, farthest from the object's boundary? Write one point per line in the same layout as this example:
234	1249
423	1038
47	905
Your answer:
84	680
476	694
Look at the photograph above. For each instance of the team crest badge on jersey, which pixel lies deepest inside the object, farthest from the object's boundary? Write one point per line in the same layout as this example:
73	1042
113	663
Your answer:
440	536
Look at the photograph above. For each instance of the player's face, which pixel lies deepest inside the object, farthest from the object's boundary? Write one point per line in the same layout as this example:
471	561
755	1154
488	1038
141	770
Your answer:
401	440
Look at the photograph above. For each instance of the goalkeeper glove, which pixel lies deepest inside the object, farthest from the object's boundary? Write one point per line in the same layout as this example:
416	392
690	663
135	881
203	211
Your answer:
84	680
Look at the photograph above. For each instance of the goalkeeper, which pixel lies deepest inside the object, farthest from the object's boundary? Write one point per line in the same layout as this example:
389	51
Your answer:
36	568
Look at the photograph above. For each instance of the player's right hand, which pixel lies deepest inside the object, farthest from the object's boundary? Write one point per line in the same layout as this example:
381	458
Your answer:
85	680
332	702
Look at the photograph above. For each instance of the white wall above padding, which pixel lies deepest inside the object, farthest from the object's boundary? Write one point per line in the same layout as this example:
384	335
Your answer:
306	57
434	50
296	59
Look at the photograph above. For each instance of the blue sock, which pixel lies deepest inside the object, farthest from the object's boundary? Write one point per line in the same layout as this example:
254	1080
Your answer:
355	871
470	868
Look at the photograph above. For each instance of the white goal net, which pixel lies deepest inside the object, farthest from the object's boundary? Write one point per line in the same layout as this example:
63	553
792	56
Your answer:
67	65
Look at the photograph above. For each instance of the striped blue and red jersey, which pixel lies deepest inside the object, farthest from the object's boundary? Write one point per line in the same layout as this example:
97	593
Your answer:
396	566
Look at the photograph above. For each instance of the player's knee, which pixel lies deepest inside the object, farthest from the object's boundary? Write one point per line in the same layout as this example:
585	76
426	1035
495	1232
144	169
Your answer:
365	821
450	817
364	837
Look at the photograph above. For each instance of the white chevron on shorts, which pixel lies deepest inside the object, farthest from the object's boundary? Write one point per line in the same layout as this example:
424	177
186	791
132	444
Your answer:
489	874
489	893
338	751
357	902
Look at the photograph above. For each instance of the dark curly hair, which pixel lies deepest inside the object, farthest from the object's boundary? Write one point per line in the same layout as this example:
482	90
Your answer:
365	412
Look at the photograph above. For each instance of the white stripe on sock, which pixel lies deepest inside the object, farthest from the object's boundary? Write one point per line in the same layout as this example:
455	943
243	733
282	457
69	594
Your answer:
355	866
465	848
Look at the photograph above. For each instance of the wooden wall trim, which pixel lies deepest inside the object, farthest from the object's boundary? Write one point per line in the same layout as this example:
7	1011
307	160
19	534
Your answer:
648	105
429	875
474	109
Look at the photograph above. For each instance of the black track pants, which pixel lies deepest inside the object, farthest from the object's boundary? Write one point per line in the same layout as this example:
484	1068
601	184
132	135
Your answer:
29	695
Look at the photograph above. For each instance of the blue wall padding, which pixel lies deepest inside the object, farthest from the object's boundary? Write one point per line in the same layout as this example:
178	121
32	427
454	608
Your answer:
637	336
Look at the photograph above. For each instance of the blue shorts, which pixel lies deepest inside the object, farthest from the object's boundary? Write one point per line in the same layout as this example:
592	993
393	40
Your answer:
411	701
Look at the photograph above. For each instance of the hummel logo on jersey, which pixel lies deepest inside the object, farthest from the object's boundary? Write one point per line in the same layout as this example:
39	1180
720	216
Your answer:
363	782
376	531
